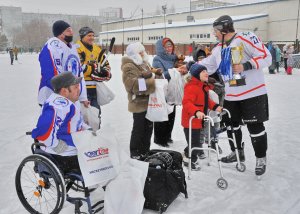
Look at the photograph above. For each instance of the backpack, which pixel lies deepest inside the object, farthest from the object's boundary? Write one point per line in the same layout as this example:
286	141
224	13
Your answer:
165	179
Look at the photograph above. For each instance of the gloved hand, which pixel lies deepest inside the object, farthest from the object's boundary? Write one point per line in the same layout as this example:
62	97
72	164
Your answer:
146	74
94	65
102	75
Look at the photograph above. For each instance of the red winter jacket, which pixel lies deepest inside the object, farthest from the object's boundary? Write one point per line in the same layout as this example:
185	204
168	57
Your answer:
195	99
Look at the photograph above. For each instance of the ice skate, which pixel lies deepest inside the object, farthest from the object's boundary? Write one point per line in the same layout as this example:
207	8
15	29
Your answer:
260	168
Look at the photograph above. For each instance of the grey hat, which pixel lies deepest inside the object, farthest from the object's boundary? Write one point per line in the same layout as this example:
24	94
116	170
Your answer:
64	80
85	31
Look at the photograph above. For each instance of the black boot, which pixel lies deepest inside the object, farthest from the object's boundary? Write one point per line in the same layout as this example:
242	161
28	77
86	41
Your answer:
232	157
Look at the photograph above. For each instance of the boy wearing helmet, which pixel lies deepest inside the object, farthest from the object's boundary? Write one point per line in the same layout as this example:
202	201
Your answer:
248	101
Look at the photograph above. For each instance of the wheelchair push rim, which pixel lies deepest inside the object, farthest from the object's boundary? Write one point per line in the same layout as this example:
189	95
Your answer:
40	185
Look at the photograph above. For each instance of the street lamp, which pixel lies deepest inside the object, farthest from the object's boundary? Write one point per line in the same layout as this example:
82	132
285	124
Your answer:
164	8
142	26
123	47
297	45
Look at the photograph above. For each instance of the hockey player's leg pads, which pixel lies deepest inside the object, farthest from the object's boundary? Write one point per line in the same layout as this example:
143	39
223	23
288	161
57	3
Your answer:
258	138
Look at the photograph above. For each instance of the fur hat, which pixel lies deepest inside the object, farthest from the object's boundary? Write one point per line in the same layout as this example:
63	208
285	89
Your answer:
85	31
196	69
59	27
133	51
64	80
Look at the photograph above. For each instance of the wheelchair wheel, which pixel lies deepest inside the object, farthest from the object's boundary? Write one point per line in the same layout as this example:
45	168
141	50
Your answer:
40	185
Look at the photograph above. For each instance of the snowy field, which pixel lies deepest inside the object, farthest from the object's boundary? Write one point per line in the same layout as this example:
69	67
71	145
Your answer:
277	193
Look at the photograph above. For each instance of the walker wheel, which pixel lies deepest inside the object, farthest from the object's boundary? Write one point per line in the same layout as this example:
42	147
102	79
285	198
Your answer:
242	168
222	183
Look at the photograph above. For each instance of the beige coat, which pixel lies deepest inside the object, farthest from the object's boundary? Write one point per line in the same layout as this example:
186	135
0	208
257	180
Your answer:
137	100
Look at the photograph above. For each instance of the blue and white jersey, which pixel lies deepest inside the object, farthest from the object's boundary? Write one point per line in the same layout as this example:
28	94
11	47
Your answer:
57	57
59	118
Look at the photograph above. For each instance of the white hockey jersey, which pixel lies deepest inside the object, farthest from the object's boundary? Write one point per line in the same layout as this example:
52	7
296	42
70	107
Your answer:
60	117
57	57
256	53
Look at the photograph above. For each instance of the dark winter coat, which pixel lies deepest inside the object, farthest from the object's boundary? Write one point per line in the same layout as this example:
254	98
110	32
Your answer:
137	100
163	60
195	98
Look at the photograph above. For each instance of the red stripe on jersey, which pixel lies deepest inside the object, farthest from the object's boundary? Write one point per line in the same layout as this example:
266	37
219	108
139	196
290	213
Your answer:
250	43
46	135
54	67
245	92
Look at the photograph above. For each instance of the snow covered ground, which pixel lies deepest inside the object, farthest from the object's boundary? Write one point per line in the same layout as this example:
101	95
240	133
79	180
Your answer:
276	193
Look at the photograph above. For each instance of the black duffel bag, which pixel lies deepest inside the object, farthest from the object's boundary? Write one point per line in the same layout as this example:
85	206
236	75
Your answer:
165	179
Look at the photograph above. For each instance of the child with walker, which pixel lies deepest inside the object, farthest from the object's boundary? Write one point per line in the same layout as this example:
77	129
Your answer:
196	102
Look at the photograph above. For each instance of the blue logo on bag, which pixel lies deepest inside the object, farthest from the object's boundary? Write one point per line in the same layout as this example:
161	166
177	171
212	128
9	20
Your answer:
100	151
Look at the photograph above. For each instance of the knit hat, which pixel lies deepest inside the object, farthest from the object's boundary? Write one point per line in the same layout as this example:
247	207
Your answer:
199	53
85	31
196	69
64	80
59	27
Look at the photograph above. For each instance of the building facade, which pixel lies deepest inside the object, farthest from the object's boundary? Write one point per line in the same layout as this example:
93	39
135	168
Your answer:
273	20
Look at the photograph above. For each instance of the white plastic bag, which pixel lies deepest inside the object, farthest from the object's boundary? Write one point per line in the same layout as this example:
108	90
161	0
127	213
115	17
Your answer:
91	116
97	155
175	87
104	94
158	109
126	188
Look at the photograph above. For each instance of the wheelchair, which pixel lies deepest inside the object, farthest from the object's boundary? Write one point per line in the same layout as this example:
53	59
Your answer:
43	187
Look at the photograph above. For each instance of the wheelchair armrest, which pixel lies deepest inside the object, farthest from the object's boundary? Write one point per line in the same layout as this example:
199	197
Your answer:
36	145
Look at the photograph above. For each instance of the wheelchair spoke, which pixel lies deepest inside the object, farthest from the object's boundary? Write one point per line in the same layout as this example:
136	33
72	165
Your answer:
46	201
28	179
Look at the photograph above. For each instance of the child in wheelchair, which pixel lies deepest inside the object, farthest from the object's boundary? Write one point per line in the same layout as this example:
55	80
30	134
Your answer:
196	102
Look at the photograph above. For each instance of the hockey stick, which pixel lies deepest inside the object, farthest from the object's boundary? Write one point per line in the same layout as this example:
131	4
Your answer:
112	42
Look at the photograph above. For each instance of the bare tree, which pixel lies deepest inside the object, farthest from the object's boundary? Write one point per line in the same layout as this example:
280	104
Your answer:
172	9
158	10
32	36
77	23
3	42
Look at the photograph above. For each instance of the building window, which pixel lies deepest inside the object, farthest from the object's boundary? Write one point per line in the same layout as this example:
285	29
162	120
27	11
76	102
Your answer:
208	35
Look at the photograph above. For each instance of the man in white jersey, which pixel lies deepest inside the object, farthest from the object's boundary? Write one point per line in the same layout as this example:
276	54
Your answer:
247	100
59	55
60	118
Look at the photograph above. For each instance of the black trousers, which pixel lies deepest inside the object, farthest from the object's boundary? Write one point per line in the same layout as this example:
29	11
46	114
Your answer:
163	130
67	163
253	112
285	63
197	141
140	135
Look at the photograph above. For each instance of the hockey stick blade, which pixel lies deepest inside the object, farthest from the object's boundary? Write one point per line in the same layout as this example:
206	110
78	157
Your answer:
112	42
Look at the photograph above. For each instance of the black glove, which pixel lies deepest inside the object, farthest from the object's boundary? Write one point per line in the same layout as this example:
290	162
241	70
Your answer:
104	72
102	75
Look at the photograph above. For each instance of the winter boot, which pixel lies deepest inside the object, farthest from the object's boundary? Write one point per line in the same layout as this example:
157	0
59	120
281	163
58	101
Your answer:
261	164
232	157
195	165
201	155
